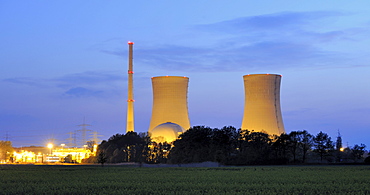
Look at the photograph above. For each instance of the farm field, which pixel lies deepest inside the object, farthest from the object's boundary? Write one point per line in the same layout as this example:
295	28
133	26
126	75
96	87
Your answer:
90	179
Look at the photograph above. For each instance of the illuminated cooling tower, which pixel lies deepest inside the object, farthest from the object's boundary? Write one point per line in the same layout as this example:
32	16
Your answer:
262	104
170	102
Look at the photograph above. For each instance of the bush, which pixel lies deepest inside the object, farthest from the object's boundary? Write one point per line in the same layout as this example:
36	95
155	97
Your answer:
367	160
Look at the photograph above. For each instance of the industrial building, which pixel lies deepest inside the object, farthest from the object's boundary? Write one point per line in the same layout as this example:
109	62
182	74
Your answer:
262	112
51	154
166	132
170	115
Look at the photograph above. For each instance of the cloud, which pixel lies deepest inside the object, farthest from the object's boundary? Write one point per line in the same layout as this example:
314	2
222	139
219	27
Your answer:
91	78
265	42
255	56
84	84
99	84
26	81
172	57
284	21
83	92
84	78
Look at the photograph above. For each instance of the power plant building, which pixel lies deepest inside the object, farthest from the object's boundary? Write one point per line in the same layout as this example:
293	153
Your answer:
262	112
166	132
170	115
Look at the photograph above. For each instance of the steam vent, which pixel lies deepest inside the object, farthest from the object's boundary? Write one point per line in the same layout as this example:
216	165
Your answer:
170	107
262	111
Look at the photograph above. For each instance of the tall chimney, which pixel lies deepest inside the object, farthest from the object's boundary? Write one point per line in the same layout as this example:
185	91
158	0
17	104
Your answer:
130	99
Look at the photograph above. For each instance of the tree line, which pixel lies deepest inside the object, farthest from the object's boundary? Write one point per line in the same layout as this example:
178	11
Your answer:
6	150
229	146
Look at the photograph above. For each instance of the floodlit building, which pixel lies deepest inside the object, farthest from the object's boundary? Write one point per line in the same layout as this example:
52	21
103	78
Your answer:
262	110
170	107
51	155
166	132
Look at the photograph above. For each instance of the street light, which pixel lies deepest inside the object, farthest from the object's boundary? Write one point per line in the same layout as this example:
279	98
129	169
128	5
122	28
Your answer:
50	146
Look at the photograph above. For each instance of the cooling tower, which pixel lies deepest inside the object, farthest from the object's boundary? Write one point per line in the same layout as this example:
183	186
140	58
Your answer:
170	101
262	104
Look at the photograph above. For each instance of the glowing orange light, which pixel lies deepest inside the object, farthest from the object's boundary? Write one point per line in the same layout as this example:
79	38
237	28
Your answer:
131	72
130	43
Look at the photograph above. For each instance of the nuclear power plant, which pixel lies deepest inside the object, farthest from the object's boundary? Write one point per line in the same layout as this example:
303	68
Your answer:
170	118
170	115
262	111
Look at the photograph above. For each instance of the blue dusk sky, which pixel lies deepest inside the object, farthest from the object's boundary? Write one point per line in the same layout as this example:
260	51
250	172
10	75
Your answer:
66	61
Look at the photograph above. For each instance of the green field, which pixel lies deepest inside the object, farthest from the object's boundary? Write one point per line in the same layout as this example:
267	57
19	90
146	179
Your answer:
54	179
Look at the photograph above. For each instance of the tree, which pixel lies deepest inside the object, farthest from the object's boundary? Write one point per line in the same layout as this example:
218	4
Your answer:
338	148
200	144
307	142
338	144
222	143
367	160
294	143
192	146
101	158
90	145
68	158
259	148
299	143
358	151
280	148
253	148
5	150
129	147
323	144
158	152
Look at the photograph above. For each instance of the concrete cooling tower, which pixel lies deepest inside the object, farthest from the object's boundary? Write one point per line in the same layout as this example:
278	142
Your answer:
169	105
262	104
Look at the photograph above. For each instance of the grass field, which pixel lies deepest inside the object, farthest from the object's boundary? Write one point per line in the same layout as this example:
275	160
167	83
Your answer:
54	179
